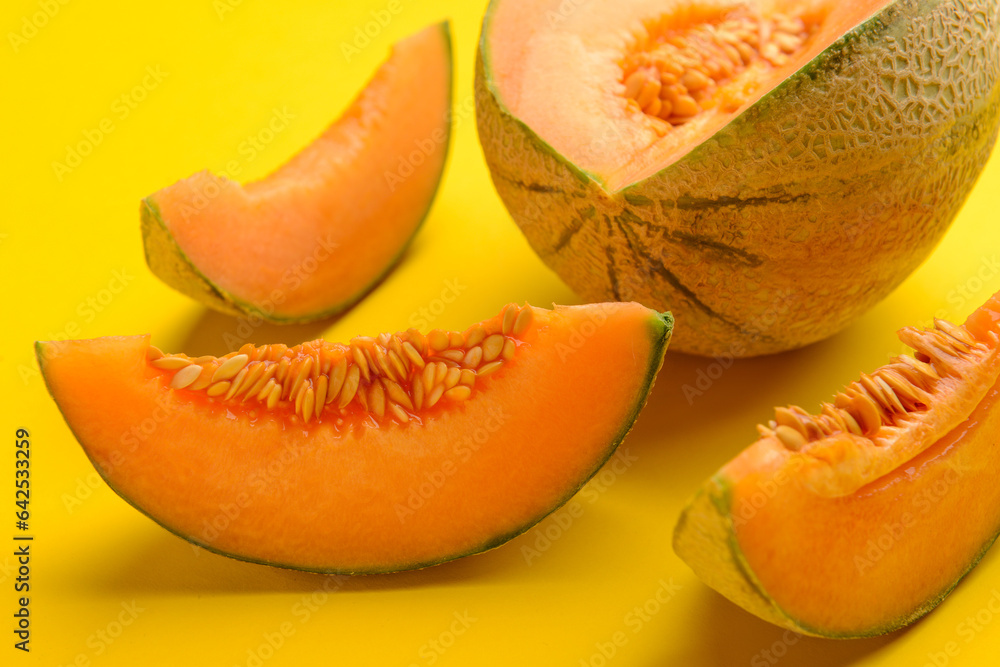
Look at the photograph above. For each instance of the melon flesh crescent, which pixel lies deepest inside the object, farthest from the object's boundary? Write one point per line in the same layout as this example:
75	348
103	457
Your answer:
563	77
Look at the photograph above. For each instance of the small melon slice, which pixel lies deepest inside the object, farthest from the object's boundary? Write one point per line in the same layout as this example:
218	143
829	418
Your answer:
313	237
388	453
769	168
860	519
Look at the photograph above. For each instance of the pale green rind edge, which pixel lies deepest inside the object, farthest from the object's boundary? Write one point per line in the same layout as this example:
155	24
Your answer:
704	538
170	264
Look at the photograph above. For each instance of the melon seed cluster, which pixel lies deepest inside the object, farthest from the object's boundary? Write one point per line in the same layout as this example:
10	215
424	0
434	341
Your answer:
887	396
393	375
677	72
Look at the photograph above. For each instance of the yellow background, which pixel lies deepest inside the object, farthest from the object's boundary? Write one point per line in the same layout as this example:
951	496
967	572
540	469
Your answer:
62	241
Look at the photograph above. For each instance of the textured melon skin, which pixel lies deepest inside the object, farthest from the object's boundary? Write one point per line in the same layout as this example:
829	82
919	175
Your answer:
800	214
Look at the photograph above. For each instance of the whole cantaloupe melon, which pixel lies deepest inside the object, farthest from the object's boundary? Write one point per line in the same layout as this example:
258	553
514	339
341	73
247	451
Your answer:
766	170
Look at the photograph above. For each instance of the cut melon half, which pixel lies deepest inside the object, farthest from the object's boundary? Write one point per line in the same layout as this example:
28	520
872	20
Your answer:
313	237
766	169
388	453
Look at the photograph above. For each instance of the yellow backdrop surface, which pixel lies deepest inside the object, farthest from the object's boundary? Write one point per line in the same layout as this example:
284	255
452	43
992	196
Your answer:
161	90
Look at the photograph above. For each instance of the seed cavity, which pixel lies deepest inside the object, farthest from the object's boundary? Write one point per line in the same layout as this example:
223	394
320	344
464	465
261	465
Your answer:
393	377
890	397
679	67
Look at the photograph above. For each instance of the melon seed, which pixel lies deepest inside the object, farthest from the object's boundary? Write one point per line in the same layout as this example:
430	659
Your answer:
171	363
523	320
453	355
308	403
322	384
185	376
790	437
218	389
438	340
489	369
230	367
387	375
236	384
435	395
675	73
475	336
399	413
412	354
459	393
350	386
473	357
492	347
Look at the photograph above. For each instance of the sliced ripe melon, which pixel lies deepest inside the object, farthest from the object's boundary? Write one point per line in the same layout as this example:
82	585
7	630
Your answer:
767	169
314	236
859	520
386	454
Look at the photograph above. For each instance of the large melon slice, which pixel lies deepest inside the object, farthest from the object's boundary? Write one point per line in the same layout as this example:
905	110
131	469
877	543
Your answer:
861	519
314	236
768	170
389	453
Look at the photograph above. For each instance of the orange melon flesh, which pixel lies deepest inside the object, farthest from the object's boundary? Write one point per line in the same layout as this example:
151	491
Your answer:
558	70
315	235
351	491
875	550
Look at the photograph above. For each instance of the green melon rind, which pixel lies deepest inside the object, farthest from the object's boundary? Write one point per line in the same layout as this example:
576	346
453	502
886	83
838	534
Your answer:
168	261
660	330
171	265
705	539
576	226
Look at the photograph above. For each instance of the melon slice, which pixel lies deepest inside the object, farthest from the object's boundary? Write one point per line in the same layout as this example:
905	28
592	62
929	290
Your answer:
388	453
313	237
767	169
860	519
